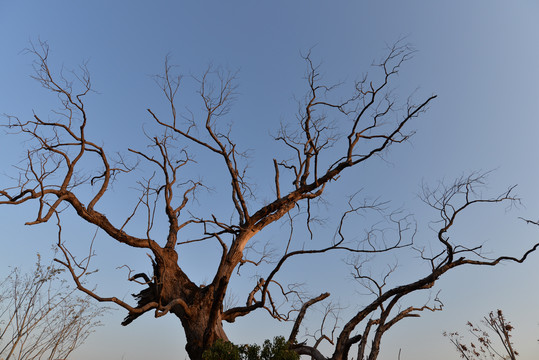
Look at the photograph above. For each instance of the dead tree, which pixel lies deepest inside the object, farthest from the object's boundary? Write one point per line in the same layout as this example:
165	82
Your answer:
329	138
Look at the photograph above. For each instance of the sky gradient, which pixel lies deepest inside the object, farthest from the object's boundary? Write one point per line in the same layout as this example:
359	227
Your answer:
480	58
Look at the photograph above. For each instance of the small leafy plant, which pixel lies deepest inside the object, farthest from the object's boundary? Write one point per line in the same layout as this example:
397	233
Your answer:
276	350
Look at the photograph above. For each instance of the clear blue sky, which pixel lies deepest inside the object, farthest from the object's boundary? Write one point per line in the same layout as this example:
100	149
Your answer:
481	58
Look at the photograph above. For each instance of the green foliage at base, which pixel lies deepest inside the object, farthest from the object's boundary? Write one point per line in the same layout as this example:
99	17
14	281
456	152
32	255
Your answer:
276	350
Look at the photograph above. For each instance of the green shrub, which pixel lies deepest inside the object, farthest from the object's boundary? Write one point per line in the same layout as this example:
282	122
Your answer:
276	350
222	350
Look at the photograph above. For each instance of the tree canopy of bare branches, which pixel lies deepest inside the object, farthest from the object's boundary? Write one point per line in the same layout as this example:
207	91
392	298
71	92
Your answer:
329	138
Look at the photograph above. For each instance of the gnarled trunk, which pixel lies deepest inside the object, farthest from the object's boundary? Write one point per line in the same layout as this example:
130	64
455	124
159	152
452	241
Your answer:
200	335
199	310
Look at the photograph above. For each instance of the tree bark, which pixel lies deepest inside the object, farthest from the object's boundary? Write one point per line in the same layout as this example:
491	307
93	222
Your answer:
200	333
197	307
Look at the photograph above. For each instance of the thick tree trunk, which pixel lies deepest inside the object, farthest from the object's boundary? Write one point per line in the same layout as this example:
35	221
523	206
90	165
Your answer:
202	319
200	336
202	323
